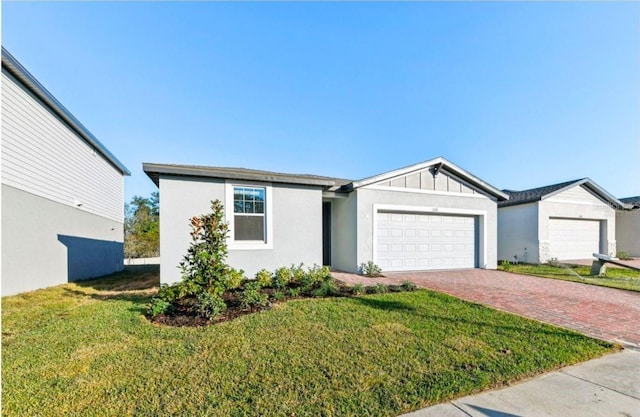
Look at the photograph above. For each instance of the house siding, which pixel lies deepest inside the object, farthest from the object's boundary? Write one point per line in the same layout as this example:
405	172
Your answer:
518	233
44	157
367	198
628	231
47	243
296	222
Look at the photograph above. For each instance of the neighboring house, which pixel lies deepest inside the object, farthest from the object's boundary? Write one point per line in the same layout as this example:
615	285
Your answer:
432	215
566	221
628	227
62	191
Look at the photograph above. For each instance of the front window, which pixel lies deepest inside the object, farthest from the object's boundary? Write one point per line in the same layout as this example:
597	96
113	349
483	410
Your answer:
249	213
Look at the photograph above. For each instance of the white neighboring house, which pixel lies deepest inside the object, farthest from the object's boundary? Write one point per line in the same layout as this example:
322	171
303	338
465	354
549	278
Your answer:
628	227
566	221
428	216
62	191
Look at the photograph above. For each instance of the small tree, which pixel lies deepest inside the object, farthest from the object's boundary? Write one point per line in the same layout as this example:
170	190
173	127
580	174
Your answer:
205	273
204	267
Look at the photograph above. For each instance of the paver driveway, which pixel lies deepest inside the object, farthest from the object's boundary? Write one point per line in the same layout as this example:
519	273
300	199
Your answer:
604	313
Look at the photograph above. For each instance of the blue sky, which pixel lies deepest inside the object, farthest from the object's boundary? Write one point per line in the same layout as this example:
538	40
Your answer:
521	94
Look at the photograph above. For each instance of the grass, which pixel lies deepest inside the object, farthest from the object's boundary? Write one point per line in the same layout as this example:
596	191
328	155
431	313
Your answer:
622	278
86	349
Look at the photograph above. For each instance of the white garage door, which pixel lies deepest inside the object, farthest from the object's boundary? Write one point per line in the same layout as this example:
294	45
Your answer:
410	242
573	238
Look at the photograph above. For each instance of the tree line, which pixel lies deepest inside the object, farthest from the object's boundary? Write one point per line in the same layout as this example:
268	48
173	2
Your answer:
142	227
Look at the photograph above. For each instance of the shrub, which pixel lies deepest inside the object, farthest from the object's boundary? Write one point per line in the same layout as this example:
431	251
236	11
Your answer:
408	286
370	269
379	289
251	295
622	255
159	306
278	296
297	273
327	287
282	277
358	289
554	262
210	305
506	265
263	277
203	268
294	292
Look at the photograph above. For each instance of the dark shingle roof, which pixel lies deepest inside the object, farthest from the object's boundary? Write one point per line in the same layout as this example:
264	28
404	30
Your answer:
154	171
533	194
634	201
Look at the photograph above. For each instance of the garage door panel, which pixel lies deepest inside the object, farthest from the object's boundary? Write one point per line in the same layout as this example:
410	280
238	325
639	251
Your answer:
573	238
425	241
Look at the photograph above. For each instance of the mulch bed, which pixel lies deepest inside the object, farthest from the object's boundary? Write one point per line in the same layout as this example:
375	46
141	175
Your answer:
185	313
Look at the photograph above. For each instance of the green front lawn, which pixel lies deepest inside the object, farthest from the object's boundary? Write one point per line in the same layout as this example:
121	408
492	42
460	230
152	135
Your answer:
86	349
622	278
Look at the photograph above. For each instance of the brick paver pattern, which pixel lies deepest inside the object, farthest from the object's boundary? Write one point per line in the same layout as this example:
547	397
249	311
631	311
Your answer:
600	312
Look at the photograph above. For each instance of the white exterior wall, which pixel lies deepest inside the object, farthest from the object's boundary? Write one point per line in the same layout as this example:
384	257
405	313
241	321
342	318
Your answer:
344	233
296	221
628	231
518	233
576	203
46	243
43	156
372	198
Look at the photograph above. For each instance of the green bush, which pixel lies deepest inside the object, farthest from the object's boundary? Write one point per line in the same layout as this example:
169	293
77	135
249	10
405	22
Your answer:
282	277
294	292
278	296
379	289
252	296
327	288
506	265
297	273
408	286
358	289
554	262
159	306
624	256
210	305
264	278
370	269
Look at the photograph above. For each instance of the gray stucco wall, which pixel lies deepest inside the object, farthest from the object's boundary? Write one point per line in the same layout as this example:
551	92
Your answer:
46	243
444	203
518	233
296	219
343	233
628	231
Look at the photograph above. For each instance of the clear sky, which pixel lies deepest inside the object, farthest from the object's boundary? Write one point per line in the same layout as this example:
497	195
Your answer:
521	94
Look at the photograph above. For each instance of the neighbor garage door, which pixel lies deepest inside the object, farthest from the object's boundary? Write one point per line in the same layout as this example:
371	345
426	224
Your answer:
573	238
409	241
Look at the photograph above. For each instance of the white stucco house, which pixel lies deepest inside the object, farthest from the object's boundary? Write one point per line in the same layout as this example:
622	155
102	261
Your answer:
628	226
566	221
62	191
432	215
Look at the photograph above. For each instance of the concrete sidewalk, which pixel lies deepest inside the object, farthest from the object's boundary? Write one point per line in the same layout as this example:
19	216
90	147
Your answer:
608	386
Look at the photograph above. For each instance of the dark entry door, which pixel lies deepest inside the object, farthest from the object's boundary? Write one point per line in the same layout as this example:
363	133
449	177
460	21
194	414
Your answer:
326	233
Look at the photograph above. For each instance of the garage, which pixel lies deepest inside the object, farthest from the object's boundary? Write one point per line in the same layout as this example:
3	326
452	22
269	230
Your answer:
573	238
408	241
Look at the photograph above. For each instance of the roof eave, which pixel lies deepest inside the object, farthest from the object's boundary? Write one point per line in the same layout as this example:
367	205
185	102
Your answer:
16	69
448	166
155	170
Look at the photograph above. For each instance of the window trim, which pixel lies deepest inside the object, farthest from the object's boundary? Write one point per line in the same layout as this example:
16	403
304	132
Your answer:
233	244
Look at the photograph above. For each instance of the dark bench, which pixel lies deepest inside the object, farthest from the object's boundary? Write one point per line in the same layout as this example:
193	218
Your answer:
599	265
